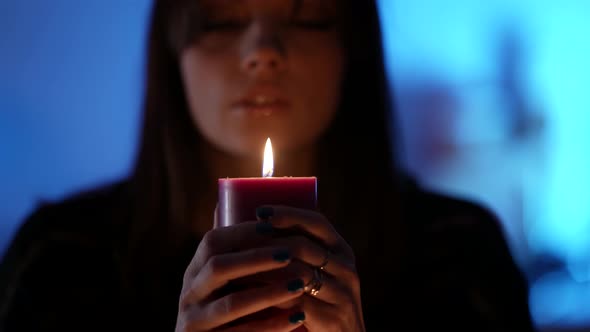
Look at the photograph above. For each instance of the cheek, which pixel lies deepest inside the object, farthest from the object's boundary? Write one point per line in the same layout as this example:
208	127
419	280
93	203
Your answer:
203	85
331	86
195	72
322	62
319	80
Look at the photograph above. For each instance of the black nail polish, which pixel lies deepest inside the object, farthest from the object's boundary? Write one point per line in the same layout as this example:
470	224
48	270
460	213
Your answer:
264	228
297	317
281	255
295	285
264	212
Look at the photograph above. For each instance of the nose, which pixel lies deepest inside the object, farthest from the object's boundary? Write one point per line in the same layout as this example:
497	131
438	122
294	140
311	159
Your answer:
264	53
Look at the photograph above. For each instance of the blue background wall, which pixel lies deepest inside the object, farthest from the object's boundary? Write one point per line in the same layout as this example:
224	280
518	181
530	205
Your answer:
492	98
70	86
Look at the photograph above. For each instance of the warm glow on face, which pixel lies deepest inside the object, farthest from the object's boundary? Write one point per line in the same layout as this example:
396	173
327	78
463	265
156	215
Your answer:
268	164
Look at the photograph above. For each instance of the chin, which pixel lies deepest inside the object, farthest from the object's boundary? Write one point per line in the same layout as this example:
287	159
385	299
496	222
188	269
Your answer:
253	145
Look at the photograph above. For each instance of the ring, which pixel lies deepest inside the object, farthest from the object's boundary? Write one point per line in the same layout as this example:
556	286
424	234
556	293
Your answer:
315	284
322	266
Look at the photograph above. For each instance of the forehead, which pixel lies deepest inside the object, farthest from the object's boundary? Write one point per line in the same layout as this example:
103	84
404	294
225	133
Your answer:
250	6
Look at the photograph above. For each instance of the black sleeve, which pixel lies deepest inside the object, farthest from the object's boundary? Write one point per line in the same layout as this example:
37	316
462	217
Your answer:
55	279
484	289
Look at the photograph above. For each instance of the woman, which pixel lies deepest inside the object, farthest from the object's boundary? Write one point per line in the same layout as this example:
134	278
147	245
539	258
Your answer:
223	75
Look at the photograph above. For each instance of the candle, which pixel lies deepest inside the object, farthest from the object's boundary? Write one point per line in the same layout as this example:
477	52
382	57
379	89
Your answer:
239	197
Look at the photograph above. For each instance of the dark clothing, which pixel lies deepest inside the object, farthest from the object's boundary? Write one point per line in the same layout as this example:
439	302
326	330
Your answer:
63	272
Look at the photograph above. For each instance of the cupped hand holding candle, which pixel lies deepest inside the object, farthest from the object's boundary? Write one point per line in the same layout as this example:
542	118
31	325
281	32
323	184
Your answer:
289	271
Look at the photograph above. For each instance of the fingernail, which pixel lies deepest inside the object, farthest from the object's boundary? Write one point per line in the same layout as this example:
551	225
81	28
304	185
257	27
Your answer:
264	212
297	317
264	228
281	255
295	285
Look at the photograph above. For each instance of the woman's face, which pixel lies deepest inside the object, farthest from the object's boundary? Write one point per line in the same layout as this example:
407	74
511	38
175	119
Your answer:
264	68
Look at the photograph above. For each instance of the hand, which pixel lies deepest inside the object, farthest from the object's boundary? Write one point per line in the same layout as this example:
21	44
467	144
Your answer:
337	304
226	254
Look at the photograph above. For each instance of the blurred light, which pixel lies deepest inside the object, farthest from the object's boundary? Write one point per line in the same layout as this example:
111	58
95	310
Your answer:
446	63
556	300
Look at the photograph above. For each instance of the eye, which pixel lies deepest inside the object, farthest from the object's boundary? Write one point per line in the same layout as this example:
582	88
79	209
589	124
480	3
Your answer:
313	24
223	25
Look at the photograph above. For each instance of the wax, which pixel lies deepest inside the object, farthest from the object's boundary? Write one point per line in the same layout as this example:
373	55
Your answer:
239	197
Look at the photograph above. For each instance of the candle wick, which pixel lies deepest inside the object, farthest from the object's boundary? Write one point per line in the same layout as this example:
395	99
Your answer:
267	173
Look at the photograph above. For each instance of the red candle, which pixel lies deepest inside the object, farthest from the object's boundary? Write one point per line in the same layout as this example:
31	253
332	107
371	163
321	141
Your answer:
239	197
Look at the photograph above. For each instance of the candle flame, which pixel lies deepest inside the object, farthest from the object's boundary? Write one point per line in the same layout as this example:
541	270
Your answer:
268	163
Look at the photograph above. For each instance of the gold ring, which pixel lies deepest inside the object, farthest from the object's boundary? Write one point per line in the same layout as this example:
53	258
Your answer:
315	284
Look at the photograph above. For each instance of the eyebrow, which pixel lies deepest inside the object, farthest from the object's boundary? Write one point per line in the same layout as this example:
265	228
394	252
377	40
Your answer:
208	8
213	8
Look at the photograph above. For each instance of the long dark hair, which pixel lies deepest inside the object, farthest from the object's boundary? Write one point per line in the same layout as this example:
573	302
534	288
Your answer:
357	175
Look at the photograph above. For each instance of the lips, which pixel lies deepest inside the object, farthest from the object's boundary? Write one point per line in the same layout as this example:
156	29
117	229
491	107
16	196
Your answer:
262	102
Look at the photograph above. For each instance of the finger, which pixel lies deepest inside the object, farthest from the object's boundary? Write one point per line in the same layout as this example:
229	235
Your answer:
309	221
329	290
242	303
280	321
308	251
332	290
220	269
295	269
321	316
223	240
